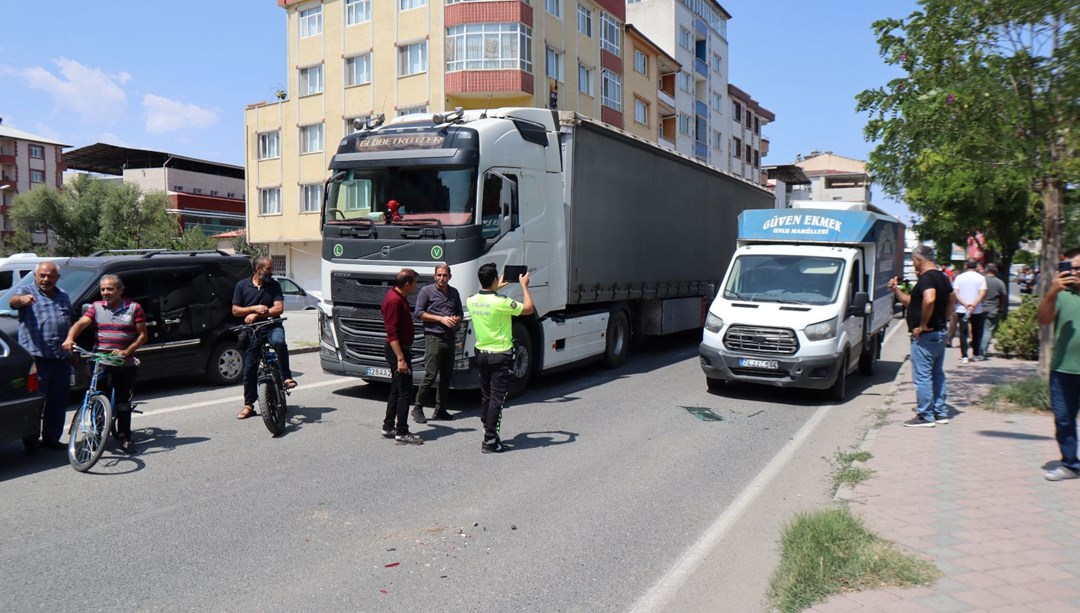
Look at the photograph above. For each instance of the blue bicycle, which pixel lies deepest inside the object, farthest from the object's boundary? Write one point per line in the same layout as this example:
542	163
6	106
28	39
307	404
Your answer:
94	420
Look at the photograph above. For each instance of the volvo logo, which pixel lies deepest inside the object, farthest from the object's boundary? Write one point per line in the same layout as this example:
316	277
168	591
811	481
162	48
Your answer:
385	251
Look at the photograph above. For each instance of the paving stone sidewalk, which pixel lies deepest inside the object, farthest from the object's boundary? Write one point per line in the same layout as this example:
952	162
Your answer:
971	497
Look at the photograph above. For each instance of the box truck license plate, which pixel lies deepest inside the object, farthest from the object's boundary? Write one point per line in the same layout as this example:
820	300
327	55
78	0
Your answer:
379	372
763	364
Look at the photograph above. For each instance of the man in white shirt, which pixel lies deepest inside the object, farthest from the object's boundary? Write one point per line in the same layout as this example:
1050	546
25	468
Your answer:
970	288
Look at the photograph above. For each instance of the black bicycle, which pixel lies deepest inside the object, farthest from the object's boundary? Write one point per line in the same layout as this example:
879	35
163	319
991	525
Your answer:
270	382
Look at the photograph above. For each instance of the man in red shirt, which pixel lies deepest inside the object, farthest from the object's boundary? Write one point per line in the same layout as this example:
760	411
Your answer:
398	319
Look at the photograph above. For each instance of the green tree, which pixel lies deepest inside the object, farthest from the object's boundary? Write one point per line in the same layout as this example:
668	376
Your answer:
133	220
988	84
70	214
243	247
194	239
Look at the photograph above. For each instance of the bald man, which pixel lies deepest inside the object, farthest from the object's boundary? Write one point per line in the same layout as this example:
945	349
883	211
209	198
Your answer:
44	319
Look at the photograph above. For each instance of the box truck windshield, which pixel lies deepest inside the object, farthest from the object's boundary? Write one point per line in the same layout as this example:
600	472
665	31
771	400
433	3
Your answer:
447	195
790	279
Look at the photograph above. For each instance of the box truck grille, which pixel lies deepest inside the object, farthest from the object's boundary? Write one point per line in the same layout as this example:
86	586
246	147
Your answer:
358	319
776	341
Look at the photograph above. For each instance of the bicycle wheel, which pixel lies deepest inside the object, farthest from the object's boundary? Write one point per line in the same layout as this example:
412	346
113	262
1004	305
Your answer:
273	406
89	432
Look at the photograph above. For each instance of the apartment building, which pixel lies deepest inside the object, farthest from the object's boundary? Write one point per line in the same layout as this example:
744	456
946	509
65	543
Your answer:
833	177
350	59
201	193
26	161
748	146
650	88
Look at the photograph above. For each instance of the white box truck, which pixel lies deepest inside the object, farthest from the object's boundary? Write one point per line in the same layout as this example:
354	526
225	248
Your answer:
805	300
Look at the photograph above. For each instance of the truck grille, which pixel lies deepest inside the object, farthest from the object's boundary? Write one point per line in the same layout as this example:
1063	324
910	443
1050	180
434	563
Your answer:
776	341
358	318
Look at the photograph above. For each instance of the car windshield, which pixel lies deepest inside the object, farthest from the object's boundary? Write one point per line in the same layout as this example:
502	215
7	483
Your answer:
447	195
71	281
790	279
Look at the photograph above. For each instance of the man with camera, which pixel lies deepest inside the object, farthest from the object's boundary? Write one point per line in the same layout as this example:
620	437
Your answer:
1061	307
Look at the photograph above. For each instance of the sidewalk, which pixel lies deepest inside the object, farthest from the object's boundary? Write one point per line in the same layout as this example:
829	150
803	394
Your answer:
971	497
302	331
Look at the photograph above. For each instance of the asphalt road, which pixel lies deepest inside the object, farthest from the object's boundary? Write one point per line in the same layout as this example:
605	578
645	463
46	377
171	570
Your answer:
613	496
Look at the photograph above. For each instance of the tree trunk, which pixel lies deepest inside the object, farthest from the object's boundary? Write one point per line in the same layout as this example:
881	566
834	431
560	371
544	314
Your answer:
1052	194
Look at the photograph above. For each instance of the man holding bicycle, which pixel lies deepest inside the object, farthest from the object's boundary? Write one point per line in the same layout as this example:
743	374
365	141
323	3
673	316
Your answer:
260	297
121	329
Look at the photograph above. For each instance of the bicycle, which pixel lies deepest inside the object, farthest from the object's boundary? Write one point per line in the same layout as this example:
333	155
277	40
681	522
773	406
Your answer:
94	420
270	383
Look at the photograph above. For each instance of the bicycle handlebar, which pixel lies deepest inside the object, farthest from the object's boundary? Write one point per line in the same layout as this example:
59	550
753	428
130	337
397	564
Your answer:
258	324
109	359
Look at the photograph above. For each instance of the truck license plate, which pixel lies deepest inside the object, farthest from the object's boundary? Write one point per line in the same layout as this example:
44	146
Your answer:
383	373
763	364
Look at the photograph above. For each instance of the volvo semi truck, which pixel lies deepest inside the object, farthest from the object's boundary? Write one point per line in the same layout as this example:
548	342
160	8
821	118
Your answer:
805	301
620	236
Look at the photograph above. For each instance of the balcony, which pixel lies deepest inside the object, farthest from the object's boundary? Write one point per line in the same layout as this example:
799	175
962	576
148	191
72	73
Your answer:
8	184
764	147
701	151
701	67
701	108
666	100
485	83
7	158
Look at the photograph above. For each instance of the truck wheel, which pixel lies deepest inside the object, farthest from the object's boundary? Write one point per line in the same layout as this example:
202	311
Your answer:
868	359
618	340
524	364
715	385
226	364
839	388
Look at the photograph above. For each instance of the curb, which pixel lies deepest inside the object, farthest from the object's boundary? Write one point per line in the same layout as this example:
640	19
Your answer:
846	493
299	350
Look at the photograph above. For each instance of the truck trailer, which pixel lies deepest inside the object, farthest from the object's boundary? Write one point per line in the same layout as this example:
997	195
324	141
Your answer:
805	301
620	236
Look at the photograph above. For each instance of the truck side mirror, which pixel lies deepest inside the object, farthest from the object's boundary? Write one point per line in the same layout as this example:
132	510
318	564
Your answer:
859	304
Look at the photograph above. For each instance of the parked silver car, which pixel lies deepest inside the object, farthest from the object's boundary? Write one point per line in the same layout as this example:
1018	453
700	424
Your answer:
296	298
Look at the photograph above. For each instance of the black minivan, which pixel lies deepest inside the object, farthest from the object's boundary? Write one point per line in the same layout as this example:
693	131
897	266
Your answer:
187	298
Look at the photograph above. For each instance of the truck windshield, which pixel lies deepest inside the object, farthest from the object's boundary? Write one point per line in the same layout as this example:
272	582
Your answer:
447	195
784	278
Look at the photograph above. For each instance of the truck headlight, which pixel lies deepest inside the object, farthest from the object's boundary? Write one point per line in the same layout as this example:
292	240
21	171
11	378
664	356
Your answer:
713	323
326	330
460	335
821	330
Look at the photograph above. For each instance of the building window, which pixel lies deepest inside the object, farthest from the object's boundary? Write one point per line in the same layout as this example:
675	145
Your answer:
358	70
585	80
311	138
757	159
311	198
37	176
717	102
641	112
584	20
311	81
196	190
412	59
686	82
311	22
36	151
553	64
717	140
178	188
736	111
641	62
215	192
412	110
411	4
554	7
686	39
350	128
489	46
270	145
686	124
736	149
717	63
749	120
270	201
230	195
748	156
357	11
611	89
757	126
610	34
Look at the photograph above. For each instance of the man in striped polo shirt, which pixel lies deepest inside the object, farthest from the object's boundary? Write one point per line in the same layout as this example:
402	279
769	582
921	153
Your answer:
121	329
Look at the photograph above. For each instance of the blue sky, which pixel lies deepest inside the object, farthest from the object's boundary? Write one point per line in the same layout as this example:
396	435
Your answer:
176	76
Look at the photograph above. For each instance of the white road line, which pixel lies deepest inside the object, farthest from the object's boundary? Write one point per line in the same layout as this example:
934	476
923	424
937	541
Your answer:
661	592
207	403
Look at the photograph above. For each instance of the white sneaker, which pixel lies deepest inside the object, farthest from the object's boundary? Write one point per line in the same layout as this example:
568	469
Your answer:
1061	474
964	360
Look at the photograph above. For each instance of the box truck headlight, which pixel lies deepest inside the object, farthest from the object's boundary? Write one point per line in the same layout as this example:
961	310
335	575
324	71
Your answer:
821	330
713	323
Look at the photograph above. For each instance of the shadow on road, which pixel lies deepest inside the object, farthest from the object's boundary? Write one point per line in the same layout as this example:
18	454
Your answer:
300	416
535	440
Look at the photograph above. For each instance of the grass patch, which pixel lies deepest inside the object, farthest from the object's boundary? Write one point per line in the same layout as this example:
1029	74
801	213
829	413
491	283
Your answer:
828	552
1032	393
846	474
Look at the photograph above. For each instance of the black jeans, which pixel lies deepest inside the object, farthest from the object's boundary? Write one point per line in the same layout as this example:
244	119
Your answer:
438	362
495	376
276	336
401	392
118	388
976	322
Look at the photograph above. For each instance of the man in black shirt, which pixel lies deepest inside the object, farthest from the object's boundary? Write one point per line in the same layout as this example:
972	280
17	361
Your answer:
438	307
260	297
928	308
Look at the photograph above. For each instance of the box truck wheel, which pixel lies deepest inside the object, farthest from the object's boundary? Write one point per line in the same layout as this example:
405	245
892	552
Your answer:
868	359
524	364
839	388
618	339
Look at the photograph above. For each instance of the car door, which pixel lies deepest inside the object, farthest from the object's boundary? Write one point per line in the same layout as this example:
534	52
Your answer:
139	287
294	296
185	296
